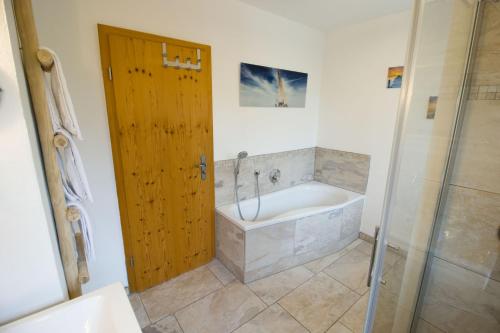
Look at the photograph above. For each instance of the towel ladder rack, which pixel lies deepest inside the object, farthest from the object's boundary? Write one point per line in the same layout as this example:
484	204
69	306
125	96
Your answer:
34	60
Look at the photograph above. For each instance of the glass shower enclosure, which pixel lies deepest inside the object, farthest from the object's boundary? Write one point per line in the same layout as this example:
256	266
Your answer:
436	259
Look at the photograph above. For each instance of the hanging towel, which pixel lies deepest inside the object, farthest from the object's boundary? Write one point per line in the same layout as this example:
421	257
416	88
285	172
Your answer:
86	228
63	114
74	178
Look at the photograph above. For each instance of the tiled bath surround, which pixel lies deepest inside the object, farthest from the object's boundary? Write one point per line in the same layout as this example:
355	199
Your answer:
259	252
297	167
342	169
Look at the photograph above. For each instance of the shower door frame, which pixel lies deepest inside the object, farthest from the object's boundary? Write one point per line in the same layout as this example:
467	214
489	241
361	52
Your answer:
403	110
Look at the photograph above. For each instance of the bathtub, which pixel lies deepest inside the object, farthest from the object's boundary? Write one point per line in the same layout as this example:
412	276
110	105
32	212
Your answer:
295	225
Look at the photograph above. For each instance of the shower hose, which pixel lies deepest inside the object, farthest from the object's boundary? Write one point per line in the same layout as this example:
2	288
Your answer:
256	174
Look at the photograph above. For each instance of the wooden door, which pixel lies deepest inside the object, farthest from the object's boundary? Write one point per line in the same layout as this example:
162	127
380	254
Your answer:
160	121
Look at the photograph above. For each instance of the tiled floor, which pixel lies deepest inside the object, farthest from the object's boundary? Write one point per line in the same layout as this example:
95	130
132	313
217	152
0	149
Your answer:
325	295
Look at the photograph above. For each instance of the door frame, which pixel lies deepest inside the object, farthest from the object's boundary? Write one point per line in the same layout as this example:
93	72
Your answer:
104	31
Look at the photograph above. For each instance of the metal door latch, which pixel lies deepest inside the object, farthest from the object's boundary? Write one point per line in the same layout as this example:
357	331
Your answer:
203	167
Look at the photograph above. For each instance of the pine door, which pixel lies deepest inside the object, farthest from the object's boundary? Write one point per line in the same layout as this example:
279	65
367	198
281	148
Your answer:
160	121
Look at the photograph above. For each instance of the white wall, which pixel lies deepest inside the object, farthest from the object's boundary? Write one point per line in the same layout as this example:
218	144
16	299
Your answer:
358	112
31	276
237	33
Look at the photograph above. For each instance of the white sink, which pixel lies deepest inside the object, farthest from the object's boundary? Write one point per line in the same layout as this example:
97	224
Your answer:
106	310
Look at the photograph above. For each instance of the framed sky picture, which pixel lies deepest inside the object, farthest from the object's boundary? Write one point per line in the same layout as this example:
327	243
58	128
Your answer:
395	77
262	86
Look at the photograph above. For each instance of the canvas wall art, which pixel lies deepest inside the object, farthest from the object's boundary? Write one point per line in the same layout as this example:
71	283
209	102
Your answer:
262	86
395	77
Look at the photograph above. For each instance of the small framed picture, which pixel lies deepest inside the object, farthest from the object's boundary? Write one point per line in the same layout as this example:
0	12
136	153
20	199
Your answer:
431	107
395	77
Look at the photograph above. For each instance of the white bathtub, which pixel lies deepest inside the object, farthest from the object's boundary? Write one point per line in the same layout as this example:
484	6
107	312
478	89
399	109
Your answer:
296	225
290	204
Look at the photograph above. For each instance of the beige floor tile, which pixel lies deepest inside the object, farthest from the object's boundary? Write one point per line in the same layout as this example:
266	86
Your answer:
365	247
425	327
318	265
140	312
222	311
338	328
175	294
319	302
272	288
354	319
166	325
385	313
221	272
351	270
272	320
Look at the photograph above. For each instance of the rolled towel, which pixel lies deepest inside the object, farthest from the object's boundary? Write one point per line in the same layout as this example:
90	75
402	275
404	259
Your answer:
64	114
74	178
86	228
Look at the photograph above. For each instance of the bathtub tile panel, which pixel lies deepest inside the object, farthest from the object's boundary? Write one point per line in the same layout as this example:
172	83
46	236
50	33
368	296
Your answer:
318	232
266	246
230	245
343	169
351	220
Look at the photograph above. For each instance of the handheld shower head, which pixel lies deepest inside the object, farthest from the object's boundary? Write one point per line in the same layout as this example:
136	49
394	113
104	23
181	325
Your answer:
242	154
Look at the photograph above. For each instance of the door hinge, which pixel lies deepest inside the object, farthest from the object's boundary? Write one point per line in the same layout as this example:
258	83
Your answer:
110	74
131	261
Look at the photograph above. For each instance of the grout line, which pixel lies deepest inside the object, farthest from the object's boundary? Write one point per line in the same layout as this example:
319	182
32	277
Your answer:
475	189
237	328
196	300
465	269
298	321
178	322
264	309
431	324
300	285
147	314
224	268
343	314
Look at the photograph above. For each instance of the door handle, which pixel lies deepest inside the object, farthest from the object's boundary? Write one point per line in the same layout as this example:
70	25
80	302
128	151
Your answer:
372	258
203	166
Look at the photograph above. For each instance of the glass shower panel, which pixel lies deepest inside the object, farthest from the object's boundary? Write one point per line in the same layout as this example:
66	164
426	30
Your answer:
461	290
432	93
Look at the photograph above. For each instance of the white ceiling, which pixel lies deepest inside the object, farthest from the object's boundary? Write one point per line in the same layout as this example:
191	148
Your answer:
326	14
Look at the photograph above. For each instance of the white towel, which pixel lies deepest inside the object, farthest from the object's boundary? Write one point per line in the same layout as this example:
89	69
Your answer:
63	115
86	229
74	178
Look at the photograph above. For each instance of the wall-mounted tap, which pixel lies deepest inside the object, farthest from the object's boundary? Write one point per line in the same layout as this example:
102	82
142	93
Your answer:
274	176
